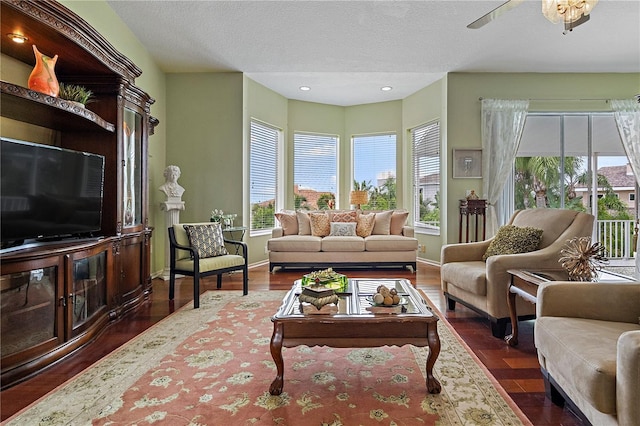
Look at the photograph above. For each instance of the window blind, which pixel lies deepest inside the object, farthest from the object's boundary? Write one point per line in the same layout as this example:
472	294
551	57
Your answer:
263	166
315	169
374	162
426	178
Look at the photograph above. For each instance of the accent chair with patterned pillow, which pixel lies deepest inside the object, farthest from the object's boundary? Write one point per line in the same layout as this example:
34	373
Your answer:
198	250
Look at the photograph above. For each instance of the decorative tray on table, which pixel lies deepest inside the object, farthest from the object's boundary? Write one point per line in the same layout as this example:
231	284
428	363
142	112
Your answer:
326	278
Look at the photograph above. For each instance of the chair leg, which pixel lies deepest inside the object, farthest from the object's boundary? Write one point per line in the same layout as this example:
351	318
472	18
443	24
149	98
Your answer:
219	281
196	290
245	280
172	284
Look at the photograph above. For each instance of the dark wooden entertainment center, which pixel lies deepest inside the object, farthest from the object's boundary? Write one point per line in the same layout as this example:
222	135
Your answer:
57	296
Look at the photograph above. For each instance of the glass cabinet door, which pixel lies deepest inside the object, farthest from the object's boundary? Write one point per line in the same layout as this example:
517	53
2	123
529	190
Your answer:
89	292
132	173
28	309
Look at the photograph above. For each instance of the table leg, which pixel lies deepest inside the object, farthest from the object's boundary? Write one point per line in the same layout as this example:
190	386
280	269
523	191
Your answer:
512	339
276	353
433	385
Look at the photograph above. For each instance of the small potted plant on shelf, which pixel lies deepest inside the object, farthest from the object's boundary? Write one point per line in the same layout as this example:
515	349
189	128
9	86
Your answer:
79	95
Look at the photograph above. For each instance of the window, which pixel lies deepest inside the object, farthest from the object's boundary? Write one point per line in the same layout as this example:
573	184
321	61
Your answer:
577	161
374	169
263	170
632	196
315	168
426	176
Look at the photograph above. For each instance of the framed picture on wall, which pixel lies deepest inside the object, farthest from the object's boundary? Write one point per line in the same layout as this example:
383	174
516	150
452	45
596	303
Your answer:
467	163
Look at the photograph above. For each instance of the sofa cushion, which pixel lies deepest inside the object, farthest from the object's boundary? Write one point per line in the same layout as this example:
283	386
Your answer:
583	352
304	223
348	216
343	229
320	224
390	243
207	240
288	222
514	239
297	243
365	224
470	276
382	225
343	243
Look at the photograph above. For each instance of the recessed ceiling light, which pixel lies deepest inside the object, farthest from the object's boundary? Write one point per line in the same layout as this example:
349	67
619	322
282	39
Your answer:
305	88
17	38
386	88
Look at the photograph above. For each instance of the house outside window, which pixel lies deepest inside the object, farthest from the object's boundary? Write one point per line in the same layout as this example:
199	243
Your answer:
426	177
374	169
315	171
263	169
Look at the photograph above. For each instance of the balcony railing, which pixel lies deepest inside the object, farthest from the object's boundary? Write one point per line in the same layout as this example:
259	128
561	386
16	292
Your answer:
617	238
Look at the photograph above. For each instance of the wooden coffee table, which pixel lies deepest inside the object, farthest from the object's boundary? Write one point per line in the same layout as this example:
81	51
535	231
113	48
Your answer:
524	283
356	326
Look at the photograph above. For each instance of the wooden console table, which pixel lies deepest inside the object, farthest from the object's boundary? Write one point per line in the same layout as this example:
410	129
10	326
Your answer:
472	208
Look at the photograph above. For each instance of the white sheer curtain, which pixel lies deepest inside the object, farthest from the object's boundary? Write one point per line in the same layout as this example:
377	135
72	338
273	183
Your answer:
627	115
502	125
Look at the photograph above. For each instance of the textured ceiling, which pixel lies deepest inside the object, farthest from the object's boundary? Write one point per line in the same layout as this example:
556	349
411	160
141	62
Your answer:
347	50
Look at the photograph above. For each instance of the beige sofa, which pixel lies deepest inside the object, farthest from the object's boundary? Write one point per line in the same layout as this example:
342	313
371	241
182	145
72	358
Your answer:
482	285
588	341
294	245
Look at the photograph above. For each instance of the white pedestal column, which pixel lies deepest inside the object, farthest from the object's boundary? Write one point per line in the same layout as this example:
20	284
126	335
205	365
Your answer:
172	207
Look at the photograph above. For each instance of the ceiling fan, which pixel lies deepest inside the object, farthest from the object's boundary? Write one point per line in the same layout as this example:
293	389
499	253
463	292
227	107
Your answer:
571	12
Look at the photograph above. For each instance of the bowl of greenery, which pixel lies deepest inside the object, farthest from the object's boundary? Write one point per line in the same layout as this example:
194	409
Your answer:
74	93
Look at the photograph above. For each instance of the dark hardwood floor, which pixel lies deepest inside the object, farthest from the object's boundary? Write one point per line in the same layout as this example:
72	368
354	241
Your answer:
516	369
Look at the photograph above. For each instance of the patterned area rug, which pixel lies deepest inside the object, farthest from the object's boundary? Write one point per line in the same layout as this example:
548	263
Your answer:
212	366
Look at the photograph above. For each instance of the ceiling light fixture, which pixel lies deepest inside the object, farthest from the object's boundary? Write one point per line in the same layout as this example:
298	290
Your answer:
305	88
17	38
571	12
386	88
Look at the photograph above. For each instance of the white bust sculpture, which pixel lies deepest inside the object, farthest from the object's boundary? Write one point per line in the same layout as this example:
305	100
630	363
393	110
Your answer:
170	187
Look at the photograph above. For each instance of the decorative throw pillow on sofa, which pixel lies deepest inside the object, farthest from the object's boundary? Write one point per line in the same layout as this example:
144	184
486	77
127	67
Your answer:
383	223
398	220
343	229
288	221
304	223
350	216
365	224
206	239
512	239
320	225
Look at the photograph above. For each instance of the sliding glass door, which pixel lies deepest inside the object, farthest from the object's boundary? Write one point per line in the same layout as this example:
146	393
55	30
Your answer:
577	161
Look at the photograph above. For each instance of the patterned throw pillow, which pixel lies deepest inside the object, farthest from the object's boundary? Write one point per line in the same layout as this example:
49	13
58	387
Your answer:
350	216
365	224
206	239
343	229
288	221
512	239
320	225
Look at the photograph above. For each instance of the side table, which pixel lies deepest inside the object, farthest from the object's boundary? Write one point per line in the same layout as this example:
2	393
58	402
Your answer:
473	208
234	232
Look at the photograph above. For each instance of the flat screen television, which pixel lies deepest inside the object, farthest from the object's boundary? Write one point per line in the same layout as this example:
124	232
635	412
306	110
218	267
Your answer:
47	192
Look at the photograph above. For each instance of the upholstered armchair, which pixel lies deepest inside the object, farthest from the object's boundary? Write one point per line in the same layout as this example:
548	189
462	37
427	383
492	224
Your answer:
201	252
588	341
482	285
